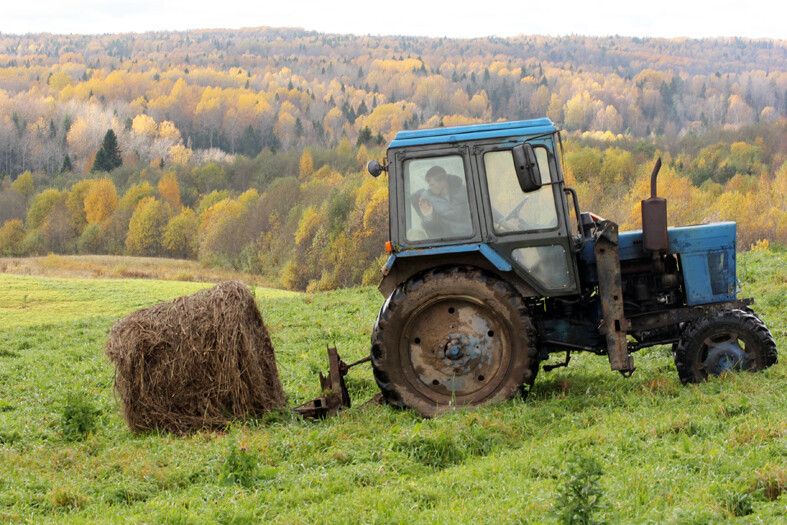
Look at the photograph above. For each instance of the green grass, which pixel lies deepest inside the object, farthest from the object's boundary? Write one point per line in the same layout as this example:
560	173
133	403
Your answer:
668	454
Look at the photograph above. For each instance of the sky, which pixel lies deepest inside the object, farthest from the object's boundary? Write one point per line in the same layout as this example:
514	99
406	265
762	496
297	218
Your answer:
458	19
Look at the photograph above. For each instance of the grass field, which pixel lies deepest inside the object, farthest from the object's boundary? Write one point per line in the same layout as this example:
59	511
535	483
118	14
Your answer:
664	453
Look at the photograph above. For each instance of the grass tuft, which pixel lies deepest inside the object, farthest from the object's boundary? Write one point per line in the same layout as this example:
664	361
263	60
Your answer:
580	496
239	467
438	449
772	481
737	503
78	417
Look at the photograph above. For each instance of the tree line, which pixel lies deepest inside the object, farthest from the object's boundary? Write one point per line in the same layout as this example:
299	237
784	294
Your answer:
312	219
174	97
245	149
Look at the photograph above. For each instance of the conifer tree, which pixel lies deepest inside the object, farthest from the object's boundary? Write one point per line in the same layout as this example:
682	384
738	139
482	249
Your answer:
108	155
67	166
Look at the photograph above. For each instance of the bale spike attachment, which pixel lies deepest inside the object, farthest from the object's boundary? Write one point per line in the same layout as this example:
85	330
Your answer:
335	396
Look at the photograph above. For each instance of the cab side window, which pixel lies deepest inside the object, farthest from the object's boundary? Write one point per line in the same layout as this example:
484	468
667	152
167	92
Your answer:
436	199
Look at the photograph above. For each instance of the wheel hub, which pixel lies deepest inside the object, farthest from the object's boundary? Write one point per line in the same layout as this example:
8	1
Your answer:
455	350
726	356
456	347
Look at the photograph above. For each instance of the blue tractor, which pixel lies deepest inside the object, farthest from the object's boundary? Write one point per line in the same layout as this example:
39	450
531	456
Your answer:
493	267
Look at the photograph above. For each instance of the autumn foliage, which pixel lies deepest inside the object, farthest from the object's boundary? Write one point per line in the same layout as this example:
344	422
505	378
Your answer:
246	148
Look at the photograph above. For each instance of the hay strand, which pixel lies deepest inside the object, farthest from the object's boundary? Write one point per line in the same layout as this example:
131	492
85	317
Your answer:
198	361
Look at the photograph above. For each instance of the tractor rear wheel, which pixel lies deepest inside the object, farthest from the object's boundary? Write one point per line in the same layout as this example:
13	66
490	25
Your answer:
453	337
731	340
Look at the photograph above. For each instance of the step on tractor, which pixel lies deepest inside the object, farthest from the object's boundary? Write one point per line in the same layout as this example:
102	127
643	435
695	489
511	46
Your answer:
493	267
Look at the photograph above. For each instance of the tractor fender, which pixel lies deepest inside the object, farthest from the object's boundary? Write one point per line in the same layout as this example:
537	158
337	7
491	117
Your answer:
403	265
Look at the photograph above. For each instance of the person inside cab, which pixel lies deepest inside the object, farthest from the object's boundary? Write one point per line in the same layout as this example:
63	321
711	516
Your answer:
443	207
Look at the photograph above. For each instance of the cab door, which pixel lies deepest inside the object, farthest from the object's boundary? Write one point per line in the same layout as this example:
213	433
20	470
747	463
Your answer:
529	230
425	216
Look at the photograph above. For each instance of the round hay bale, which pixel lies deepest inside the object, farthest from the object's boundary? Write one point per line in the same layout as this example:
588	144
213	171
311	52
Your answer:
198	361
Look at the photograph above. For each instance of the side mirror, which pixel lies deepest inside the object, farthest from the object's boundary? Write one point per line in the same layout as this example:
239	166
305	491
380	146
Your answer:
374	168
526	166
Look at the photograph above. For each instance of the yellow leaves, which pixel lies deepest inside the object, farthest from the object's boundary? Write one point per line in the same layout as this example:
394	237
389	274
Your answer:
248	197
306	166
285	129
169	191
288	107
344	150
386	118
328	177
363	155
11	235
739	112
459	120
145	230
210	103
608	120
168	131
180	235
144	125
100	201
179	155
333	122
377	209
216	215
431	92
780	187
135	194
762	245
579	111
397	66
78	134
24	184
555	109
307	226
60	80
651	78
41	206
479	104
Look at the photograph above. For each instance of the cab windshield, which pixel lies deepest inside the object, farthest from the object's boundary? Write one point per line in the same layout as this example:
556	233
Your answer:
513	210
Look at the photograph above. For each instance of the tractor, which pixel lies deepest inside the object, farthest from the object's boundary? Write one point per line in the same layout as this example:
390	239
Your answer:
493	267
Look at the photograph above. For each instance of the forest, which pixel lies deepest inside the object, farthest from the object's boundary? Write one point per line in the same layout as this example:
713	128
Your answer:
245	148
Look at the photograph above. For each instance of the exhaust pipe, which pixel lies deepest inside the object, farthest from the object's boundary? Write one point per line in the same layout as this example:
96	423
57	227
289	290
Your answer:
654	217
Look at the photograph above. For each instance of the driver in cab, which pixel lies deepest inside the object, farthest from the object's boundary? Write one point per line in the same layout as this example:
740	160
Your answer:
443	207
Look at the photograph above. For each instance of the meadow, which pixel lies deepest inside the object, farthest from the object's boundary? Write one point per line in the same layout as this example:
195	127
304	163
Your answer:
661	452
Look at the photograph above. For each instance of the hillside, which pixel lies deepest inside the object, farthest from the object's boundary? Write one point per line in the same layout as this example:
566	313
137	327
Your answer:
664	452
245	90
245	149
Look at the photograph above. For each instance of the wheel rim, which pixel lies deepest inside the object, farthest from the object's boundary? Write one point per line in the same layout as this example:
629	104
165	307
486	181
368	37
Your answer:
455	348
724	352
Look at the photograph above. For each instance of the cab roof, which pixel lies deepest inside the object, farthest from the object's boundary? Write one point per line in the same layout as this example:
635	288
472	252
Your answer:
513	129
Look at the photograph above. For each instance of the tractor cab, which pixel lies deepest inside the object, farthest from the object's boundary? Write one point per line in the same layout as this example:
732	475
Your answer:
465	192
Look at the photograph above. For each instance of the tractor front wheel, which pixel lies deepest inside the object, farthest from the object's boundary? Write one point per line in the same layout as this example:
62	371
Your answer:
727	341
453	337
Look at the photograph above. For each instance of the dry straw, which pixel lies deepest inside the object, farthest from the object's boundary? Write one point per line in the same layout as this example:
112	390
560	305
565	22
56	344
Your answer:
199	361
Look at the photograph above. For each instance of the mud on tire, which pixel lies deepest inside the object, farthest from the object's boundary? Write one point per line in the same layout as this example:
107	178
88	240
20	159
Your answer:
453	337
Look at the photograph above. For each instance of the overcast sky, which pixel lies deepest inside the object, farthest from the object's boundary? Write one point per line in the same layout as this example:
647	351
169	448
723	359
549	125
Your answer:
458	19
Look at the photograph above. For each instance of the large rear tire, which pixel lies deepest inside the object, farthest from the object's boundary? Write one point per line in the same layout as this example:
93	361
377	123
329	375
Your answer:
453	337
731	340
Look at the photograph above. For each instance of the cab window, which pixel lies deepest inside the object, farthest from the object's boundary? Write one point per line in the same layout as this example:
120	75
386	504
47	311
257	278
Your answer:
436	199
513	210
